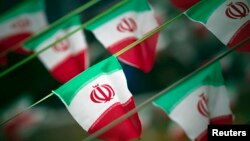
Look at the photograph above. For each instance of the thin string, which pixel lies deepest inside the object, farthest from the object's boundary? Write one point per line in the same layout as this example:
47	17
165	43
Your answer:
24	61
27	109
151	99
54	24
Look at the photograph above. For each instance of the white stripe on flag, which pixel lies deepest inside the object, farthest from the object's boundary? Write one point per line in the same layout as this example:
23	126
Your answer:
51	57
111	26
222	26
194	123
187	116
85	111
36	21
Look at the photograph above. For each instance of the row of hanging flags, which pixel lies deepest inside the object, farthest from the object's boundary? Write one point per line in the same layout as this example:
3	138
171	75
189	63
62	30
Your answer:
70	57
99	95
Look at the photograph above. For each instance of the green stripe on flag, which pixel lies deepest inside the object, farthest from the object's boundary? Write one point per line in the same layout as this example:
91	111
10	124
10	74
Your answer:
37	40
130	6
209	76
67	91
203	10
29	6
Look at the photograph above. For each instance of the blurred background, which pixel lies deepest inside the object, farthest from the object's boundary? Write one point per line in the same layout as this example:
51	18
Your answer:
182	48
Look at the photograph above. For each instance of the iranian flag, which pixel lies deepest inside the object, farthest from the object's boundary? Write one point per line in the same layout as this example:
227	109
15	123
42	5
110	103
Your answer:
67	58
228	20
197	102
125	25
97	97
19	23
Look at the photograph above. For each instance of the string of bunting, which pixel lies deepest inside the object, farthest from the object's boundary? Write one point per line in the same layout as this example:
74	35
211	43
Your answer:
24	61
147	35
54	24
50	45
145	103
164	91
139	107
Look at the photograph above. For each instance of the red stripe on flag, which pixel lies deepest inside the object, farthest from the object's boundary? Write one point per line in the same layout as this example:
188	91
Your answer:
8	42
13	41
126	130
184	4
202	137
70	67
226	119
240	35
141	56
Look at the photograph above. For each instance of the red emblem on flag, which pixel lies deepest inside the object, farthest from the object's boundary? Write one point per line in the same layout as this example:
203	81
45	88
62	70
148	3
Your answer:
102	94
21	24
61	46
237	10
127	24
202	105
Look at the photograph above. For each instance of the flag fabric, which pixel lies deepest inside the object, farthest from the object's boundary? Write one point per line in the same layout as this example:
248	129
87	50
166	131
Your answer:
228	20
67	58
97	97
20	23
197	102
125	25
184	4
